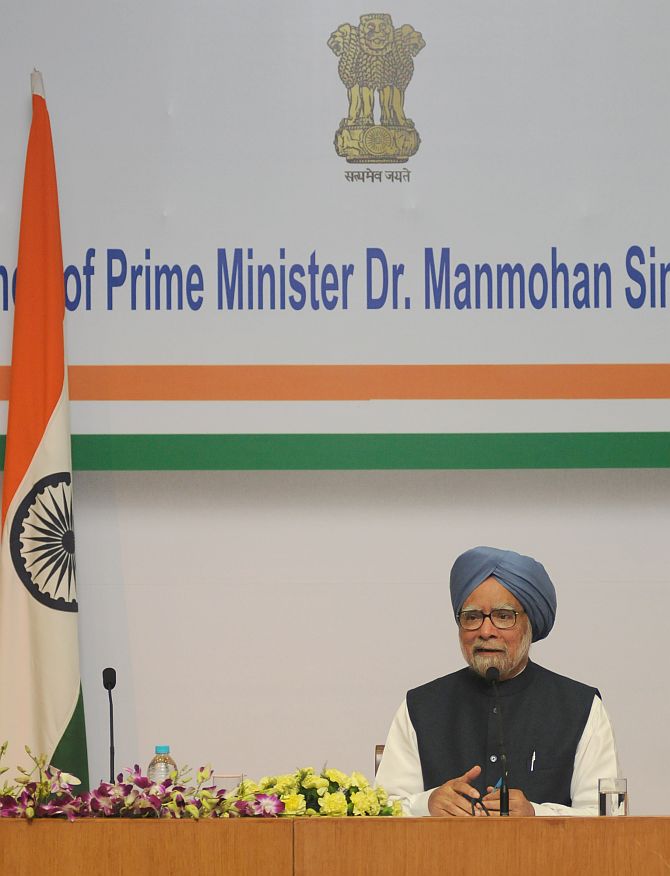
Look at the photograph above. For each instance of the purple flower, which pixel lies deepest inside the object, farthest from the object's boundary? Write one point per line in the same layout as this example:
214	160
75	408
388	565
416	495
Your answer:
155	801
142	782
267	805
27	796
101	802
45	810
9	808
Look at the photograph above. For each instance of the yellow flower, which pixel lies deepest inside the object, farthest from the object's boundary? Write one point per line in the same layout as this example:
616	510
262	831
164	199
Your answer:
338	777
313	781
267	782
285	785
294	804
247	787
397	809
365	802
360	781
333	805
382	796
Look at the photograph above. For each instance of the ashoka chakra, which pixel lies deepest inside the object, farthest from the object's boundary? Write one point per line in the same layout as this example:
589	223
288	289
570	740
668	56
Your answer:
41	542
377	140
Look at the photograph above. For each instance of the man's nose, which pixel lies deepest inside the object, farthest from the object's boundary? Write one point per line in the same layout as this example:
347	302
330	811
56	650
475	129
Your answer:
487	629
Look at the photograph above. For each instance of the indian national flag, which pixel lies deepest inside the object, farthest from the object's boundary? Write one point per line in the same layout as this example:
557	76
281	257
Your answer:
40	688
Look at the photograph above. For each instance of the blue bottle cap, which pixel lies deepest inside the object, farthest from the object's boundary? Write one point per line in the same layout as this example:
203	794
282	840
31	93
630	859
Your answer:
162	749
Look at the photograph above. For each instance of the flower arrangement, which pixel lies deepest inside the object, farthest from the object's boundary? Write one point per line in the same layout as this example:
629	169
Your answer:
46	792
305	792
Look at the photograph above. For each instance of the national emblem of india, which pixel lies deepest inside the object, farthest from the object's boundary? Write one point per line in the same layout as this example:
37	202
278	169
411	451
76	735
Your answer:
376	58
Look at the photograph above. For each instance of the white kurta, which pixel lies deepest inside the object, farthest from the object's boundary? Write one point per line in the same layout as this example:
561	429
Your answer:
596	758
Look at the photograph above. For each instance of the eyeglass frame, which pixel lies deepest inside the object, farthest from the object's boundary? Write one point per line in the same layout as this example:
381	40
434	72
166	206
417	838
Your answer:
489	616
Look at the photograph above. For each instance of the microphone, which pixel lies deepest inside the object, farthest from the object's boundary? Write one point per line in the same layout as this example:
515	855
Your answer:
109	683
493	677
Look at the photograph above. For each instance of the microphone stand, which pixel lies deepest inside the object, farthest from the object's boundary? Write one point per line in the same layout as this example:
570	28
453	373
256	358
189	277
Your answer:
111	739
109	683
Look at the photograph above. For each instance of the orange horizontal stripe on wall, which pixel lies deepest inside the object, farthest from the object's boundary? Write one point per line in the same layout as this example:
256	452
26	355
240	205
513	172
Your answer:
361	382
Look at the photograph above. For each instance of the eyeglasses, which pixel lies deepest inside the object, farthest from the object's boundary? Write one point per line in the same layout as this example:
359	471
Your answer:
501	618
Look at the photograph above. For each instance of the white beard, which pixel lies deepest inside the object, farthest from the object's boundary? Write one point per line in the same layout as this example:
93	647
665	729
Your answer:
504	660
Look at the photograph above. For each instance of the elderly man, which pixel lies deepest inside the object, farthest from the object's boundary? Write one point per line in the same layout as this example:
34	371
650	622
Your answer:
442	755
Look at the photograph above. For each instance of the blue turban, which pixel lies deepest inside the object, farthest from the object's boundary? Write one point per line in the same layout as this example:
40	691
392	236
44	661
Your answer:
523	576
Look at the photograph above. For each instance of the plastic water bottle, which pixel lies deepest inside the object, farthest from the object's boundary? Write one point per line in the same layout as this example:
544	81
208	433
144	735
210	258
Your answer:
161	764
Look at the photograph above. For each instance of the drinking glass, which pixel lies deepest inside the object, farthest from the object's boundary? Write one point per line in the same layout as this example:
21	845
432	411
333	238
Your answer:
612	797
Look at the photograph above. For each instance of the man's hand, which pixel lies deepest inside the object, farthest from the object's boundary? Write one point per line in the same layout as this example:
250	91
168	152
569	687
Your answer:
518	804
448	799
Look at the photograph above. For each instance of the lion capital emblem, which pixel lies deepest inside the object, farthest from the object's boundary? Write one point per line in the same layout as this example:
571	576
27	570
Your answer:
376	60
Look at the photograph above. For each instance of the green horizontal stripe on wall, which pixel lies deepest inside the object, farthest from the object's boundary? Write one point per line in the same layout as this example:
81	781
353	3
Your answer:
366	451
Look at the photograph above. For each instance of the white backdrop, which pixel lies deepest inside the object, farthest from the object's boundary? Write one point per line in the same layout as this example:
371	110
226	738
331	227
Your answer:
267	620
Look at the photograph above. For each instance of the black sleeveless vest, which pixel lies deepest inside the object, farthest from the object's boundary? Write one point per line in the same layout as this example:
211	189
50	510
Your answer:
544	715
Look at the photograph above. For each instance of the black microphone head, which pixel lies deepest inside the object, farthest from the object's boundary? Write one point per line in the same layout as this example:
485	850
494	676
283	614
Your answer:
109	678
492	674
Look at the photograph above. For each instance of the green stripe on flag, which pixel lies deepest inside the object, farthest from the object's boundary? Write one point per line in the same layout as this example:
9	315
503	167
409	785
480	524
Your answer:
370	451
70	755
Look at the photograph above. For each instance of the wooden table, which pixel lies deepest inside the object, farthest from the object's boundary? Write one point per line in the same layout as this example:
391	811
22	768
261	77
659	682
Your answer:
482	846
338	847
134	847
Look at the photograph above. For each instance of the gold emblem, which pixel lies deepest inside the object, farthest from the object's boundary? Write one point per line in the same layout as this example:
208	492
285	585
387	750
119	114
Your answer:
376	58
